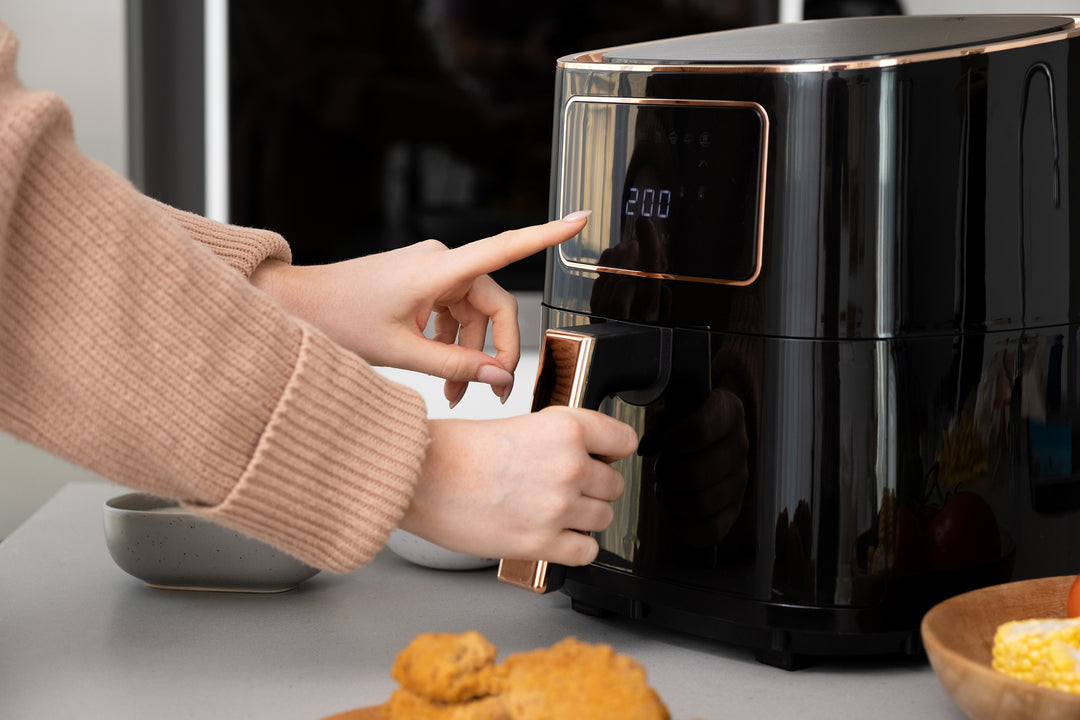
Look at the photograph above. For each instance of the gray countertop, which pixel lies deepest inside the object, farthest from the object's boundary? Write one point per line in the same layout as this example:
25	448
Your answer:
80	638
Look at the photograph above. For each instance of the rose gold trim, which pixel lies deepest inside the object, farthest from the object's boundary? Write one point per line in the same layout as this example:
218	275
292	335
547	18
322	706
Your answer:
593	60
566	353
525	574
568	357
564	161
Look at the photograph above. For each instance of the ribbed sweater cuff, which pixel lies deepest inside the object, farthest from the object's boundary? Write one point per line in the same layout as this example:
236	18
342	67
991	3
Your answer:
339	520
242	248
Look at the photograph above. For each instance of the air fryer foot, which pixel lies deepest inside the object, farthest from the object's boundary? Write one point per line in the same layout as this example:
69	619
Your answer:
779	653
783	659
591	610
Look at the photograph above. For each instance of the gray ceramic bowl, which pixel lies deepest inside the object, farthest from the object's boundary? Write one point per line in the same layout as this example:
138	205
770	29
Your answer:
427	554
165	546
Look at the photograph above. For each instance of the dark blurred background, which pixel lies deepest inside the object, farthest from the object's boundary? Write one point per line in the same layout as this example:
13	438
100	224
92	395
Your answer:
355	127
363	126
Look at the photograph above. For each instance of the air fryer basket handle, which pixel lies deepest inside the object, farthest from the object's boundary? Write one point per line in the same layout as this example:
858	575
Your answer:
579	367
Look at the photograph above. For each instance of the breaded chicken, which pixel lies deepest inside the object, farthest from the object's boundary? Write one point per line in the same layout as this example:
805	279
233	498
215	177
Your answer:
454	677
404	705
572	679
447	667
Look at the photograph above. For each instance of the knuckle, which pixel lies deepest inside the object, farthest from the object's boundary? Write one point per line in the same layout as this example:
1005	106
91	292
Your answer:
585	551
568	472
534	547
606	516
618	484
432	244
565	425
731	408
556	508
454	367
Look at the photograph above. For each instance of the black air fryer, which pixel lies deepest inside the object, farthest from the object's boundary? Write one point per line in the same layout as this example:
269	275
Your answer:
828	279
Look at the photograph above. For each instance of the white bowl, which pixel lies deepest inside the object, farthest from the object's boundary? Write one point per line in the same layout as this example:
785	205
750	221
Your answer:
165	546
427	554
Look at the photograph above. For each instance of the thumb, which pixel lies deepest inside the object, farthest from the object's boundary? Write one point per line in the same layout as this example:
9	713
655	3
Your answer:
490	254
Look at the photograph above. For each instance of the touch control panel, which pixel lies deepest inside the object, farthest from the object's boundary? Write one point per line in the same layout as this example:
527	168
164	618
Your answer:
676	187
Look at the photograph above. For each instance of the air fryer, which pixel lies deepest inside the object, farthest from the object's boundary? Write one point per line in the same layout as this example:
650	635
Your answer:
835	257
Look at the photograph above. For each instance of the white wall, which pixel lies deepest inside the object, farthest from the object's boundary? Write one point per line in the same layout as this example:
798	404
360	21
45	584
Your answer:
76	49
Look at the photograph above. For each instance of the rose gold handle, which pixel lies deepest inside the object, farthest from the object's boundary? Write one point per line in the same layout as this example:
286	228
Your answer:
565	358
569	374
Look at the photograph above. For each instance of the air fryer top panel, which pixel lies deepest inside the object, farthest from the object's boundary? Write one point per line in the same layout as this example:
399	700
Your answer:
838	40
927	194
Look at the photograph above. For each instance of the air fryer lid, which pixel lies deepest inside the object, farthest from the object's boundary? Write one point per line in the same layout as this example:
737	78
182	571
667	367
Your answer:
844	39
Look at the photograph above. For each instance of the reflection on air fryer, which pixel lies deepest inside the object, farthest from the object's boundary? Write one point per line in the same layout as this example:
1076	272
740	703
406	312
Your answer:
695	446
884	416
948	523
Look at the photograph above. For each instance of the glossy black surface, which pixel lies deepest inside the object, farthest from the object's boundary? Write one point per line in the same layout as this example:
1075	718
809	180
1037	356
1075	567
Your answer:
685	184
926	198
887	416
832	40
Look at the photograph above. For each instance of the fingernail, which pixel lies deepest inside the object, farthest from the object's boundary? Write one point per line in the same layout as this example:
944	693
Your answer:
505	395
492	375
576	216
460	394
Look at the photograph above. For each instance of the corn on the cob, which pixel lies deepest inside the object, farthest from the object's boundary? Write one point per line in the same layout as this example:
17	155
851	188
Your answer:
1043	651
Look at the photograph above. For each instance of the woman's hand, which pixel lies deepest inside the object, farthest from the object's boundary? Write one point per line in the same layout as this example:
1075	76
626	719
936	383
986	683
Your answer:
379	305
520	487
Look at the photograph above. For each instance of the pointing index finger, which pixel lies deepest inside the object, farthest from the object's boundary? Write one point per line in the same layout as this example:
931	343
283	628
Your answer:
490	254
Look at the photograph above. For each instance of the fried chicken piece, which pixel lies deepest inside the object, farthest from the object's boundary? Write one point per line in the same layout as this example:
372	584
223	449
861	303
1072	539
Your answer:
404	705
447	668
572	679
454	677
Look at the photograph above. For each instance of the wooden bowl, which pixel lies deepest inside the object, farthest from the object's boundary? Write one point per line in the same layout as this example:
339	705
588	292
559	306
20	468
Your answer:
959	638
373	712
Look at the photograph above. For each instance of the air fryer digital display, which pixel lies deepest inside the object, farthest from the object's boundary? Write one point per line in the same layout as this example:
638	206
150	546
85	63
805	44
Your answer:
680	185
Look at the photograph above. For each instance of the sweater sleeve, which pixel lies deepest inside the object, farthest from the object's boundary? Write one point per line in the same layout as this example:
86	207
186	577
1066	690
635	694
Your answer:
242	248
128	346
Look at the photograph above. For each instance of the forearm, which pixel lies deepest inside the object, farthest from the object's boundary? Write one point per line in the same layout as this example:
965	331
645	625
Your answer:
127	347
289	287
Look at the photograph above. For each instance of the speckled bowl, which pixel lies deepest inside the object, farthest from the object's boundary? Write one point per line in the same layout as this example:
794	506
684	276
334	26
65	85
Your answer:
427	554
165	546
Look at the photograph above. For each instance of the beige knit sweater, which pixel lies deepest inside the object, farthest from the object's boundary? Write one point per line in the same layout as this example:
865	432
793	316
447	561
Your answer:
132	343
